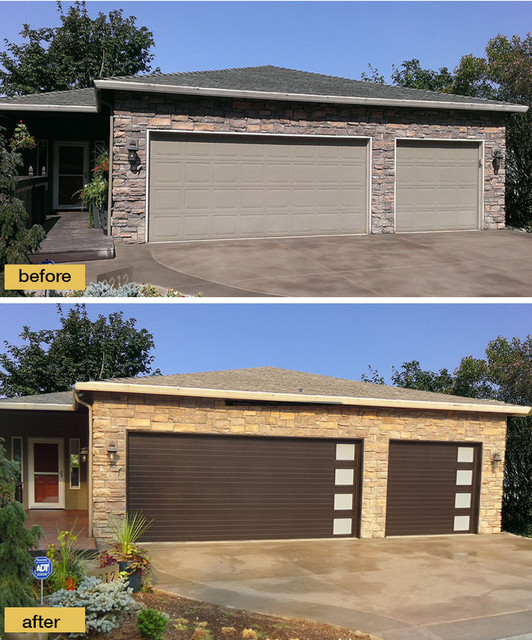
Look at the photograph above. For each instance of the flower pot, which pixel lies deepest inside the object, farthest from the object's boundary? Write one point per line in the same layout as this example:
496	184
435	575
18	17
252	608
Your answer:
134	580
96	217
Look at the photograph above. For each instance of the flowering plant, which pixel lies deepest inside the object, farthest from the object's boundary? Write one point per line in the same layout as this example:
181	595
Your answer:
22	139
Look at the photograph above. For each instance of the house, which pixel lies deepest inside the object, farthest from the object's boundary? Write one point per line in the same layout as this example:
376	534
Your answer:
270	152
263	453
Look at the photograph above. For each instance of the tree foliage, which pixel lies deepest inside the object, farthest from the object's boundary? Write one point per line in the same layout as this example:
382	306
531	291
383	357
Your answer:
80	350
411	74
17	240
505	374
74	54
15	541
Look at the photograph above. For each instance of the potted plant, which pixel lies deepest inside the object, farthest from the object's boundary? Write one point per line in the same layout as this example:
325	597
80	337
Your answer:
94	194
132	559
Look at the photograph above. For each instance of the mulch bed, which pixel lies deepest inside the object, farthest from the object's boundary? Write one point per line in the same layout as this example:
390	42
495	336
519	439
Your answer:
187	616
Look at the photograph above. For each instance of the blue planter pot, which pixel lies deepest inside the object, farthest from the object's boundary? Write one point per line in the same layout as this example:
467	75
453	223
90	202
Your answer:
134	580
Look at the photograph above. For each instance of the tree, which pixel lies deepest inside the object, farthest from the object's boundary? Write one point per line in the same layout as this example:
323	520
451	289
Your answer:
505	374
76	53
80	350
410	74
15	542
17	241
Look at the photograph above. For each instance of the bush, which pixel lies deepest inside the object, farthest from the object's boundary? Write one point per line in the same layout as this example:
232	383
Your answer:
104	603
68	563
152	624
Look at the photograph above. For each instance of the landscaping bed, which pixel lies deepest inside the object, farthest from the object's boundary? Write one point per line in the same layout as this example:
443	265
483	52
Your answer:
189	616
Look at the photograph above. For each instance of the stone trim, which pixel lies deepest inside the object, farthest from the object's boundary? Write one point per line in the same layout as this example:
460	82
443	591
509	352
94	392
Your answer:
116	414
135	113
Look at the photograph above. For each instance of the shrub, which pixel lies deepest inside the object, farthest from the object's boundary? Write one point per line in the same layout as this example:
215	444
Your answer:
201	634
152	623
104	603
68	563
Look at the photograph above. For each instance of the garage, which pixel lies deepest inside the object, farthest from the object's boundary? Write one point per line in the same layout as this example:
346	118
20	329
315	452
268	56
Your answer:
438	185
200	487
433	488
216	186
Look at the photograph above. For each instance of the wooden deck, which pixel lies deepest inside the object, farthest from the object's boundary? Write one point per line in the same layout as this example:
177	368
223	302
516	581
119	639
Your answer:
54	521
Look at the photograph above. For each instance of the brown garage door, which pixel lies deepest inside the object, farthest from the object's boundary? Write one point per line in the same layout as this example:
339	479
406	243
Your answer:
433	488
203	187
437	185
237	488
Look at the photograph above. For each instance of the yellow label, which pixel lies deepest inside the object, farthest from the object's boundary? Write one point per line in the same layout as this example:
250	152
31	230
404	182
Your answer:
52	619
44	276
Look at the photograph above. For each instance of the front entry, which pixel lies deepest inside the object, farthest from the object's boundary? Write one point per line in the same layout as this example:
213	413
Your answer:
71	173
46	473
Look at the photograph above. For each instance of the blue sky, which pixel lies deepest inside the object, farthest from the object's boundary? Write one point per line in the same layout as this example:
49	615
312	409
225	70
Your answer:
331	339
337	38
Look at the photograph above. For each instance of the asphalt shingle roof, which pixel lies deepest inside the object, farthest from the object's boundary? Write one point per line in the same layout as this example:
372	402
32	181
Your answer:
269	78
74	97
60	397
266	79
274	380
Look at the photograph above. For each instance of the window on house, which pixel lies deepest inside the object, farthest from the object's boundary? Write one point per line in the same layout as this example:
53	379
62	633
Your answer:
16	455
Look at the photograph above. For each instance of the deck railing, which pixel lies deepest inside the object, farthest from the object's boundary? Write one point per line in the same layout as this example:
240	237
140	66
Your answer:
32	191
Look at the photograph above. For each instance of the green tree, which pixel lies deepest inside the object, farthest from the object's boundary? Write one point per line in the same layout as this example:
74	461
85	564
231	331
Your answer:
80	350
505	374
17	240
74	54
410	74
15	542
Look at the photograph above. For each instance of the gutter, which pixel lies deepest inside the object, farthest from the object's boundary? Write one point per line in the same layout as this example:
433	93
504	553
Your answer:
150	389
298	97
38	406
12	106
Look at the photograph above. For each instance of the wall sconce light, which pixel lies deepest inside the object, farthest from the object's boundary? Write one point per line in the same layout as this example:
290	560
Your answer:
497	159
84	454
496	460
132	156
112	453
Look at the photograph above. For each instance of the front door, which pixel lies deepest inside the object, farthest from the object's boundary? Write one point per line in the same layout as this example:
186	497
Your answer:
46	473
71	173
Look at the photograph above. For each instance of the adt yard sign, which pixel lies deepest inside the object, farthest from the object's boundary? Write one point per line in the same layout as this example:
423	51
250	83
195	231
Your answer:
42	570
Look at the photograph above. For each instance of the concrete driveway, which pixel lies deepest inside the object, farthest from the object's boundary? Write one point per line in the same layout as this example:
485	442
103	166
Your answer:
460	587
473	263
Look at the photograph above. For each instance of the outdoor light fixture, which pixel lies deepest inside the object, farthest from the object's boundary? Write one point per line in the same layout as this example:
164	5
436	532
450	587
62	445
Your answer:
497	159
496	460
132	156
112	452
84	454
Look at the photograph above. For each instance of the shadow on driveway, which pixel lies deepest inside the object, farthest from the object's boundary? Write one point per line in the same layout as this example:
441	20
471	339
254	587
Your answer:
462	587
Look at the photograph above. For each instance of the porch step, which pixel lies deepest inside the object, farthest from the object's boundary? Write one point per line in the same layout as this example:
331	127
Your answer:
69	239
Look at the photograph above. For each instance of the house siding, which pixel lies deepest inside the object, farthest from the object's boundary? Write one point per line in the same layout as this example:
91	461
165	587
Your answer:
135	113
115	415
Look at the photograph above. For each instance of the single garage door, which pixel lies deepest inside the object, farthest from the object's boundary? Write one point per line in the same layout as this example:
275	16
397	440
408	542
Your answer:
238	488
203	187
433	488
437	185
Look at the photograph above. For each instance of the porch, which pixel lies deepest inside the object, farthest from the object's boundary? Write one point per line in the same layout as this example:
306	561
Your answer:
53	521
69	239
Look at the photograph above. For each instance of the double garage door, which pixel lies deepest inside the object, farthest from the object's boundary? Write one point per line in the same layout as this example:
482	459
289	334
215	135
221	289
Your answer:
205	186
244	488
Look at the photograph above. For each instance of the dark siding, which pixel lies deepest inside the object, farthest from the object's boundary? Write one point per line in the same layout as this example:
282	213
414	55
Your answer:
231	488
422	487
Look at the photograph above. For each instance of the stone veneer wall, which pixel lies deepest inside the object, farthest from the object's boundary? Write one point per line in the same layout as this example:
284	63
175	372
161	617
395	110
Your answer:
114	415
134	113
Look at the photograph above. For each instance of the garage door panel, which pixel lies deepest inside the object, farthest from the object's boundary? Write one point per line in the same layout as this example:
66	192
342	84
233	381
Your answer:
426	490
324	178
437	185
222	488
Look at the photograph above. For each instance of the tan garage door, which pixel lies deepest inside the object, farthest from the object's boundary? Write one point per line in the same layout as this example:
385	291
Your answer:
437	186
229	186
201	487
